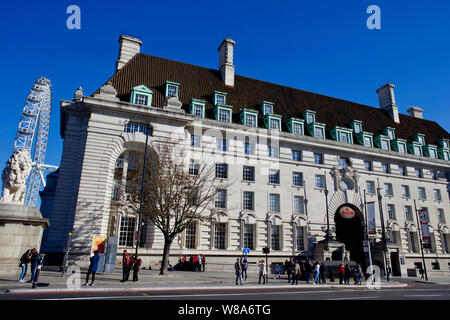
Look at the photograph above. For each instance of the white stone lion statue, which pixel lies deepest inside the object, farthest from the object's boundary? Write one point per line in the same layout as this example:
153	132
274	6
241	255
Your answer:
15	175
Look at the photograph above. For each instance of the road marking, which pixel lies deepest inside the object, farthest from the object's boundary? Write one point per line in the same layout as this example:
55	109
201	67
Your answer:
422	295
354	298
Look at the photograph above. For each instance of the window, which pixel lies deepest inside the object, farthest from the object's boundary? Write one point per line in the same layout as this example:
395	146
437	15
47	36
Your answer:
309	116
370	187
357	127
115	190
412	241
249	148
391	134
422	194
126	232
296	155
224	115
388	189
267	108
248	174
272	151
391	211
193	167
405	191
141	99
300	238
437	195
274	202
433	153
297	128
274	176
441	215
221	170
172	89
435	266
219	98
344	162
394	237
297	179
275	237
221	199
221	145
421	139
248	201
319	132
419	173
134	127
250	120
198	110
219	235
368	165
445	242
298	205
345	137
195	141
318	158
403	170
417	150
320	181
249	236
434	174
402	148
274	124
386	168
141	95
408	213
384	144
368	141
190	235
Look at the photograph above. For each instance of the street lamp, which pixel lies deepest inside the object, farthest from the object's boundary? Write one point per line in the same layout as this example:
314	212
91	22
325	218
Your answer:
142	193
327	234
383	233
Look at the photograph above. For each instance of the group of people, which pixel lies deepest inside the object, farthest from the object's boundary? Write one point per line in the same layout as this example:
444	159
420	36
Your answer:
196	263
295	269
130	262
32	257
240	268
346	272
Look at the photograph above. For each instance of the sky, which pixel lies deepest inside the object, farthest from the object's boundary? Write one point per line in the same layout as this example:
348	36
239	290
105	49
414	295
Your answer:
318	46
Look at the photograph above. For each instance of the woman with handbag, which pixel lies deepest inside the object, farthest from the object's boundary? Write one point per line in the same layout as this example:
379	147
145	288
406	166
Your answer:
24	260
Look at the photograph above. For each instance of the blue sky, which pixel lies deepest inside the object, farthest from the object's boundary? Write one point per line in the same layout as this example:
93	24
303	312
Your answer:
318	46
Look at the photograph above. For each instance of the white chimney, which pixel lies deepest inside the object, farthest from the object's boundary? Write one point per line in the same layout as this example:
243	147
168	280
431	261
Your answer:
387	101
415	112
129	47
226	61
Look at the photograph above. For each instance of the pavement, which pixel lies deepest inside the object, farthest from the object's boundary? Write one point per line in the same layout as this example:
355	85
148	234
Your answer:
52	280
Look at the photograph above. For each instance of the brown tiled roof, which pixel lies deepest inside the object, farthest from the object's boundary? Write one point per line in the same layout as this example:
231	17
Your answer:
199	82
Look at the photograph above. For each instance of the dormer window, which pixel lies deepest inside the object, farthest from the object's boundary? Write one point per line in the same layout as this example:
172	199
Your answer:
249	117
399	145
172	89
296	126
382	142
429	151
444	154
420	138
222	113
220	98
415	148
317	130
390	132
272	121
444	143
342	134
197	108
356	125
365	139
266	108
309	116
141	95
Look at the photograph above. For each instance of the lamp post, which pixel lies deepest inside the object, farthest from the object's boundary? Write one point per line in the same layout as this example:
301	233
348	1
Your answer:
383	233
142	193
420	240
327	233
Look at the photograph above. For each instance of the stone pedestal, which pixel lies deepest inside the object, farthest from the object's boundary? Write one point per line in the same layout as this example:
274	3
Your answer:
333	251
21	228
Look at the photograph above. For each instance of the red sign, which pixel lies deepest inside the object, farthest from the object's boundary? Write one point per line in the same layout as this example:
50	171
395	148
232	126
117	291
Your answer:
346	212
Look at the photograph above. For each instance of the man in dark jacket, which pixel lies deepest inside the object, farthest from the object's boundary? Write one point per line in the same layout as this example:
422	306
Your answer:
125	266
137	262
34	261
288	269
93	266
308	268
238	270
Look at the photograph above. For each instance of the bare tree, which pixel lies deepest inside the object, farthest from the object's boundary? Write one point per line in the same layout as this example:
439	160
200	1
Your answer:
174	194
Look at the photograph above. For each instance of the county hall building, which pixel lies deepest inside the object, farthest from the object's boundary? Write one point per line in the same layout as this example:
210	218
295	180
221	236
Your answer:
296	162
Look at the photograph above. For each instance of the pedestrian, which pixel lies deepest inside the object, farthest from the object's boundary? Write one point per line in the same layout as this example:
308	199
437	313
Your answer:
347	274
238	270
244	268
308	269
93	266
288	269
125	266
262	271
296	273
137	262
341	273
198	265
24	260
277	271
322	273
34	262
421	272
389	270
358	272
316	272
203	262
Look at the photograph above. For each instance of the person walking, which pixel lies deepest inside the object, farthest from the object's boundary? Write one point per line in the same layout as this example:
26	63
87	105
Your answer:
358	274
262	271
296	273
323	276
34	262
288	269
125	266
238	270
277	271
198	265
347	274
422	272
93	266
341	273
316	272
24	260
244	268
308	269
203	263
137	262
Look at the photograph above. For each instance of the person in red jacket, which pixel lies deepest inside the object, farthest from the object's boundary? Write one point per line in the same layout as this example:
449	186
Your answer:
125	266
341	273
137	262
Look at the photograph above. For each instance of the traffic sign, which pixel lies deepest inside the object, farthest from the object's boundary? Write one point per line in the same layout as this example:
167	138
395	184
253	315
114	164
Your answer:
246	251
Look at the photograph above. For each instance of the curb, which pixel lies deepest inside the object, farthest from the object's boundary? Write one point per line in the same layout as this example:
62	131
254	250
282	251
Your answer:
206	288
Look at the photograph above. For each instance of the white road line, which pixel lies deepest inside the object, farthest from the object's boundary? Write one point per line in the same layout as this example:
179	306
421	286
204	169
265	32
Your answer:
422	295
355	298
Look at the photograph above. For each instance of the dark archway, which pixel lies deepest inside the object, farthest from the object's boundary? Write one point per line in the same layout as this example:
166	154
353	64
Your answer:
350	231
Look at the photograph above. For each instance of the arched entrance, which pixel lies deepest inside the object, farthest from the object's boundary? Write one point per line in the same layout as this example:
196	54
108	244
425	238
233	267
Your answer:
350	230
